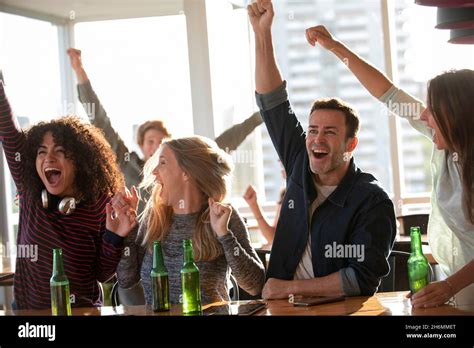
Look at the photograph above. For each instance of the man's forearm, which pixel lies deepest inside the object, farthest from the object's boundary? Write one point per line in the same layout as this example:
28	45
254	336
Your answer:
330	285
267	74
81	76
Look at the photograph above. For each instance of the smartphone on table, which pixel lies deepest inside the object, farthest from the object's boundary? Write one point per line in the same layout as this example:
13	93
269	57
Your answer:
235	308
316	300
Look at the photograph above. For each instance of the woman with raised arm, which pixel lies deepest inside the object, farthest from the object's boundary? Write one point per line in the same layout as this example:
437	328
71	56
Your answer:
65	173
447	120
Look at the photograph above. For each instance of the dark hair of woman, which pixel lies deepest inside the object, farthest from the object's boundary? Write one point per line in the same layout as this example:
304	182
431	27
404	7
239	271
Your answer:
451	101
96	169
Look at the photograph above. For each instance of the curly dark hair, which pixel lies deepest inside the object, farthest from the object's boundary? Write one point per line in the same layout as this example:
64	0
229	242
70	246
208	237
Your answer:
96	169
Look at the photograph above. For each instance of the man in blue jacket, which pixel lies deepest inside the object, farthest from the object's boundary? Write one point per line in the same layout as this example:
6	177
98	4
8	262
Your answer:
337	225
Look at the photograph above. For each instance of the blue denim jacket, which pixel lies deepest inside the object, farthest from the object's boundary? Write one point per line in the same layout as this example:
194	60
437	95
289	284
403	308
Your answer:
358	213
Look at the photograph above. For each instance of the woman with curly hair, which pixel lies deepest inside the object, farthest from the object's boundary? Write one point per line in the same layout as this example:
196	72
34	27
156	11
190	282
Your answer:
65	173
189	177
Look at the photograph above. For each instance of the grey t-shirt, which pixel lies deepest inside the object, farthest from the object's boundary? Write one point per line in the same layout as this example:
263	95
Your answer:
237	257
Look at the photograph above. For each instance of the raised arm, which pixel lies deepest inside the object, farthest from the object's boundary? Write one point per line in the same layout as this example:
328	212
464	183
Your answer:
76	64
371	78
12	139
264	226
267	74
380	86
232	137
272	98
130	164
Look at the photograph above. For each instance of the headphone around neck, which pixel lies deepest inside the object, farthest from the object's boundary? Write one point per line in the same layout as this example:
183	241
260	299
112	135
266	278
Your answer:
66	205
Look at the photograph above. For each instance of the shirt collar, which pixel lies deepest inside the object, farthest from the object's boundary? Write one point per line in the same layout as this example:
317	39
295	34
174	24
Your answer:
339	196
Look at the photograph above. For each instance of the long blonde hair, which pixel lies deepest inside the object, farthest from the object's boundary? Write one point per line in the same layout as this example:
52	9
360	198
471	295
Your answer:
210	170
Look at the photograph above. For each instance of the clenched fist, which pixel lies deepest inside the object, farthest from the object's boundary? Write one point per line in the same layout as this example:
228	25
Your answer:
261	15
219	214
319	34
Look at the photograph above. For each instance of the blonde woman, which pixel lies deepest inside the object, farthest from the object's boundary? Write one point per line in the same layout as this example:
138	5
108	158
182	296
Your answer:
189	180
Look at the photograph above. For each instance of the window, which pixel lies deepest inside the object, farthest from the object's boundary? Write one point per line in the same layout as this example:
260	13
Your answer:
423	53
30	64
231	62
139	69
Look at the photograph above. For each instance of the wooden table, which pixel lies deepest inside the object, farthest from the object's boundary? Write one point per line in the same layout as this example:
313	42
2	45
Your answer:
389	303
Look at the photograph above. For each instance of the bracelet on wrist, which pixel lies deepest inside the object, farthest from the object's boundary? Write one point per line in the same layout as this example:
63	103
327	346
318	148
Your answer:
451	288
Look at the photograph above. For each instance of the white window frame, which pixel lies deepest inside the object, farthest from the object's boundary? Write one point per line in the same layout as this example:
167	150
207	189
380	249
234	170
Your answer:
400	199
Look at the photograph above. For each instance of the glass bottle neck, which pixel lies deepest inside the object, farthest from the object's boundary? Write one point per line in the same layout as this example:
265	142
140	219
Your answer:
158	261
416	248
58	267
188	254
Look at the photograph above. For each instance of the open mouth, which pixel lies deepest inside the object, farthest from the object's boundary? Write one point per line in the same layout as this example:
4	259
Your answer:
320	154
52	175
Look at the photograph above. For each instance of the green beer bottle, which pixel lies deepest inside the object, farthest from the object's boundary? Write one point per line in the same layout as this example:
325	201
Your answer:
159	280
418	267
59	285
190	286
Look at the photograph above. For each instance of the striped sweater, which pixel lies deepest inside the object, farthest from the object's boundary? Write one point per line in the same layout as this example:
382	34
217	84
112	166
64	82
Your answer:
90	252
